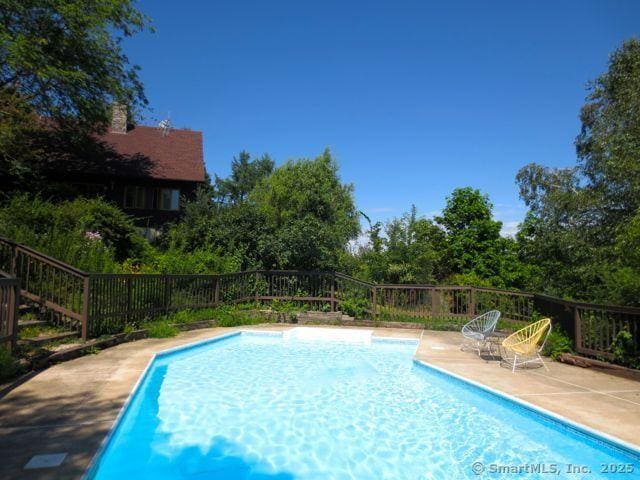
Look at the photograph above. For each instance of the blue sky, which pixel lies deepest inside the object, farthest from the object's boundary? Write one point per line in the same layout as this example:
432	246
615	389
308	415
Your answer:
414	98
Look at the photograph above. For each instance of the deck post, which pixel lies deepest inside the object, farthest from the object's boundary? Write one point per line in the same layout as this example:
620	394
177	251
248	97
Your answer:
435	302
374	301
167	294
255	286
472	302
129	302
13	268
14	308
333	291
86	283
577	328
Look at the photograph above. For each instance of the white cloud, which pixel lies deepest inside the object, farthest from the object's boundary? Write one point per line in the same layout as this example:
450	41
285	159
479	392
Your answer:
361	241
509	229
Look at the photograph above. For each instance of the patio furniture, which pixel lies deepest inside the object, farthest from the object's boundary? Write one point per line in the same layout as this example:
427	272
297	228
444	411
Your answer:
526	344
477	330
494	344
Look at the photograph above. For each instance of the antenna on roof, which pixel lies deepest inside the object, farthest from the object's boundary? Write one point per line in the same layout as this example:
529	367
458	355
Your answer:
165	125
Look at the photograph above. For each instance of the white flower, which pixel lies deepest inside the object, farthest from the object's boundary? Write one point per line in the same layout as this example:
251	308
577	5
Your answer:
93	236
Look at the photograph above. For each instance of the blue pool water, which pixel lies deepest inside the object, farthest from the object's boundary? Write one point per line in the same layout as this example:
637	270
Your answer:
263	407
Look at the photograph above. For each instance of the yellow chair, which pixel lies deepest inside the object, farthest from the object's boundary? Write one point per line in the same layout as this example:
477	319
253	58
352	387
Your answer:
527	343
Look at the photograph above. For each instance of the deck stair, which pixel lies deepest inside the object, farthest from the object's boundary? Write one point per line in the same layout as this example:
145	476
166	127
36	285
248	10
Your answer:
43	340
22	324
51	290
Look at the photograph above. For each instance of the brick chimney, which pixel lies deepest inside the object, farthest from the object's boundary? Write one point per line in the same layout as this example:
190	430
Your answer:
119	118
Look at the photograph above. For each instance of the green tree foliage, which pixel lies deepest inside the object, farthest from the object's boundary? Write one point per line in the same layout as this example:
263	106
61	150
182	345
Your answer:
65	56
298	215
473	241
245	175
608	146
62	61
19	146
220	219
461	246
309	213
581	231
409	251
91	234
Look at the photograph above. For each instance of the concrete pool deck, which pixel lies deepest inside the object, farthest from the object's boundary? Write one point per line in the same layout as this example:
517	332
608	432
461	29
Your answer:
70	407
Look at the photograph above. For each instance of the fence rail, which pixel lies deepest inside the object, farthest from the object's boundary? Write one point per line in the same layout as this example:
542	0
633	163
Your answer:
9	302
105	303
58	287
593	328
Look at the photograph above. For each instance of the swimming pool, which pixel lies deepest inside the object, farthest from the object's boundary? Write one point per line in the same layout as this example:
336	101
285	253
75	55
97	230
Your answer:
272	406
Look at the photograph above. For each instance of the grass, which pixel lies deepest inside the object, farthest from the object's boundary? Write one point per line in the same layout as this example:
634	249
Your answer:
161	329
39	331
222	316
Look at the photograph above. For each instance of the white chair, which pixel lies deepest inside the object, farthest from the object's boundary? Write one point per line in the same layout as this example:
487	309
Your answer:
478	330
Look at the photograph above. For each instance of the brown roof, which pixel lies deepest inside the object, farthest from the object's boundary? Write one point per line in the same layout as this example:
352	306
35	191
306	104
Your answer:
176	156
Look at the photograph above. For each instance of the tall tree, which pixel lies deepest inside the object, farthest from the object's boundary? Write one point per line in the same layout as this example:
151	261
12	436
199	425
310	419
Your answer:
311	215
582	220
65	58
60	60
412	248
473	242
608	146
245	175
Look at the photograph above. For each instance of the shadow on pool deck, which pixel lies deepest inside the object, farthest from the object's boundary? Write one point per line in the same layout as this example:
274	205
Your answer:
70	407
63	423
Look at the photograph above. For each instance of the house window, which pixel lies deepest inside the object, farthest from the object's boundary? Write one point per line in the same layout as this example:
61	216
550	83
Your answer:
135	197
169	199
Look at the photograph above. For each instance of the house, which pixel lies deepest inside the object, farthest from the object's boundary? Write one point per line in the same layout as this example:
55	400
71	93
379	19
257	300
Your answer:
144	170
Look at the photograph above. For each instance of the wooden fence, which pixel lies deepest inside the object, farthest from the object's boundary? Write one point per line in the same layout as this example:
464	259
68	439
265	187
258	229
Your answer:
117	300
104	303
592	327
9	302
451	301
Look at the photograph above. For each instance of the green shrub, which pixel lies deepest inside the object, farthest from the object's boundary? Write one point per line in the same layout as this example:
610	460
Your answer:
623	350
234	316
129	328
237	319
177	261
9	366
191	316
161	329
557	343
284	306
90	234
355	307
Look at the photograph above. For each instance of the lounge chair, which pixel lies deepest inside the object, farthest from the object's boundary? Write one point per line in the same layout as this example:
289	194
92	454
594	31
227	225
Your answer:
477	331
527	344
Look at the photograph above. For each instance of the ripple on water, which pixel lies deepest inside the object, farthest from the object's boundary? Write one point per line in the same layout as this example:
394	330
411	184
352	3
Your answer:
259	407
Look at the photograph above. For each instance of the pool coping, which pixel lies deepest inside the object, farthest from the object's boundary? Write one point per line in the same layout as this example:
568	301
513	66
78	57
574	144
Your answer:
608	440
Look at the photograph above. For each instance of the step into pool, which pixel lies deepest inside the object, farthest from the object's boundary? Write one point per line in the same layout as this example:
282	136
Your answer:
326	405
